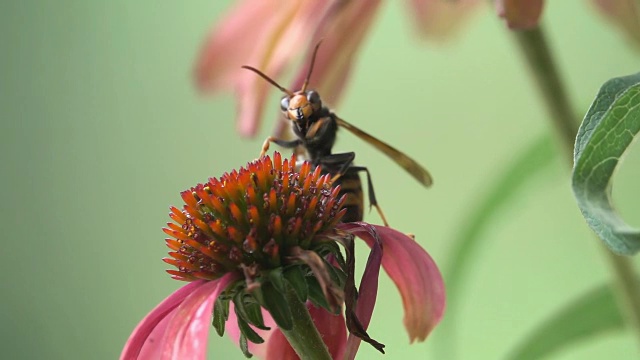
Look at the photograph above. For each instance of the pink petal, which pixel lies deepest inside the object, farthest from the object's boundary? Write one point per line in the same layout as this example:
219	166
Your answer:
623	13
520	14
188	331
287	35
143	331
343	30
414	273
437	18
232	42
368	288
331	327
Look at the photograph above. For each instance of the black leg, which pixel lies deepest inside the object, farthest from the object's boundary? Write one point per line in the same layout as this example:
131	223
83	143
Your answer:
372	194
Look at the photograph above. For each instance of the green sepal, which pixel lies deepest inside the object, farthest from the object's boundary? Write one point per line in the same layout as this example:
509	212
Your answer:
220	314
296	278
316	295
247	331
249	310
275	301
244	346
330	248
338	277
277	279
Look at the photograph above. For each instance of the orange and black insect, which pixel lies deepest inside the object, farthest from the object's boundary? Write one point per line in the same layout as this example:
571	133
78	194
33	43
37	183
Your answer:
316	127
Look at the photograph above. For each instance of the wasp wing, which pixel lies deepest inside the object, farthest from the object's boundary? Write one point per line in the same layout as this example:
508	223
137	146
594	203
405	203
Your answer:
411	166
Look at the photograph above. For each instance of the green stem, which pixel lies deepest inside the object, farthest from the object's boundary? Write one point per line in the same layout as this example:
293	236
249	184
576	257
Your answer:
536	50
538	54
304	337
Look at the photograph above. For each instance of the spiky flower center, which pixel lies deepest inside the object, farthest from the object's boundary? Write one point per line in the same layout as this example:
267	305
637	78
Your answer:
249	220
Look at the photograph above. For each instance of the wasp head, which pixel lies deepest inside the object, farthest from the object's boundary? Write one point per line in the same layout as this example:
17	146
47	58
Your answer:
301	105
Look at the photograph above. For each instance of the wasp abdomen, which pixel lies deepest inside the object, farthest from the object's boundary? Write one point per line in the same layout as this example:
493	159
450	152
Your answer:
351	186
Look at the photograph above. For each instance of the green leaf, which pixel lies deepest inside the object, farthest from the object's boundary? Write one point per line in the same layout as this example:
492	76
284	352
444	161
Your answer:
276	302
244	346
295	277
247	331
588	316
535	158
249	310
220	314
316	295
277	279
607	130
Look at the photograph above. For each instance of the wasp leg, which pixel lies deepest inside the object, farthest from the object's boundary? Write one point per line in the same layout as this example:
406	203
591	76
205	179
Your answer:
341	161
372	195
318	129
284	143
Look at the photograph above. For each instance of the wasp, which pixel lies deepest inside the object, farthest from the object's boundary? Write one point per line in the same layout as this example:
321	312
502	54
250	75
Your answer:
315	127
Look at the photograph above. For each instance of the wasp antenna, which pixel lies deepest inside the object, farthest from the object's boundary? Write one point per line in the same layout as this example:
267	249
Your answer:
313	61
270	80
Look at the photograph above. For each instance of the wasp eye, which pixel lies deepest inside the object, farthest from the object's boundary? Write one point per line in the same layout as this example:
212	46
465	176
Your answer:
284	103
313	97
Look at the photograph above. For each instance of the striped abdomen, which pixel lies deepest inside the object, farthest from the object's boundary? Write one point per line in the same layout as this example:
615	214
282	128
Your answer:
351	186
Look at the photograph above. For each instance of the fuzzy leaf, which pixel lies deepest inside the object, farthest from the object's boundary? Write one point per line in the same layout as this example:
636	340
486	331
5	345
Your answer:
295	277
276	303
277	279
249	310
316	295
606	132
247	332
220	315
244	346
586	317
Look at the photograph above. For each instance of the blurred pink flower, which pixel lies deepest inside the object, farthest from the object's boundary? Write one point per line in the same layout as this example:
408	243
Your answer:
237	232
525	14
269	34
623	13
520	14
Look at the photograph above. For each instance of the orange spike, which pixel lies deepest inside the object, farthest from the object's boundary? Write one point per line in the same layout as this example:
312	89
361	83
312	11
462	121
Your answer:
176	234
177	213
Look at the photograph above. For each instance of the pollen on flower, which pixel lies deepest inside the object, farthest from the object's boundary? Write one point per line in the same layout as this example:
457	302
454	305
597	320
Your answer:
250	218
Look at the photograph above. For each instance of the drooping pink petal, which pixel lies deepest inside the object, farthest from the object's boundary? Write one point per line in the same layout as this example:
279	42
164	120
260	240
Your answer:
623	13
143	331
343	31
520	14
232	42
331	327
188	330
287	36
414	273
266	34
436	19
368	289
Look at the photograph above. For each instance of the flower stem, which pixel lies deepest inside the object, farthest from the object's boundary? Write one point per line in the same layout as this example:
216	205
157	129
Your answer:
304	337
538	54
536	50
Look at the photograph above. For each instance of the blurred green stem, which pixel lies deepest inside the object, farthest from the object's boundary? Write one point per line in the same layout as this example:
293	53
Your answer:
538	55
304	337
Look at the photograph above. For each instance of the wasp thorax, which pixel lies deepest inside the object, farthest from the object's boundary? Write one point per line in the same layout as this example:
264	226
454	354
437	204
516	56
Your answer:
251	218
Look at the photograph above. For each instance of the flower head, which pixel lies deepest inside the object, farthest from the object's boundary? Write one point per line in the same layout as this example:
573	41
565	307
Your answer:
245	239
251	220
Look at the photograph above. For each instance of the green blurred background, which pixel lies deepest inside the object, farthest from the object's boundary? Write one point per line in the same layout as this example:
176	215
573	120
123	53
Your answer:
102	127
